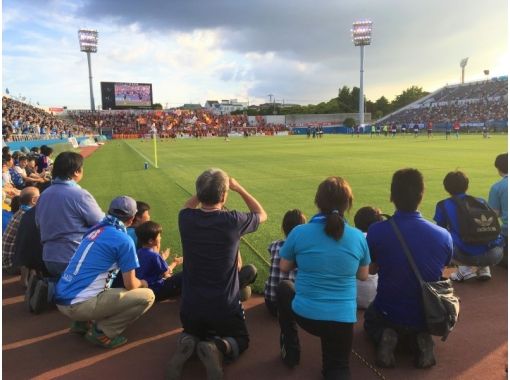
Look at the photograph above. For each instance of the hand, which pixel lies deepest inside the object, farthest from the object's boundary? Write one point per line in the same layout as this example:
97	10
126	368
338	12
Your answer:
144	284
165	254
234	185
178	260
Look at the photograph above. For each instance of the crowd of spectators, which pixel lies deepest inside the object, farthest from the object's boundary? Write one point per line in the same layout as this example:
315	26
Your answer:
477	102
196	123
23	122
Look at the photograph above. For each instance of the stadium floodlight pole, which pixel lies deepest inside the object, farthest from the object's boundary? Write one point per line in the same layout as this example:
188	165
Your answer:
361	36
88	44
463	64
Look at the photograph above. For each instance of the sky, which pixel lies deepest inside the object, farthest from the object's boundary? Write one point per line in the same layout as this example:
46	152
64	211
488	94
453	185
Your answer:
300	51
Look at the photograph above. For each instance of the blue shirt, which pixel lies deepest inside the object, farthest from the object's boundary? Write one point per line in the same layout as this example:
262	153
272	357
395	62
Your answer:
452	222
498	200
152	267
326	276
398	296
6	217
64	213
132	234
95	264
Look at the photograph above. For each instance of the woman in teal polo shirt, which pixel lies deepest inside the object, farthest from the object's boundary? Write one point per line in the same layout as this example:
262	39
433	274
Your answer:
330	255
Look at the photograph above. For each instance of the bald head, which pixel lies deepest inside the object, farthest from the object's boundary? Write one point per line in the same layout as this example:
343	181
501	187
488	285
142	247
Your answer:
29	196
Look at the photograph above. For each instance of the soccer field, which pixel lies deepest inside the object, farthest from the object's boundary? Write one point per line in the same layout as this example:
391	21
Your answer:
283	172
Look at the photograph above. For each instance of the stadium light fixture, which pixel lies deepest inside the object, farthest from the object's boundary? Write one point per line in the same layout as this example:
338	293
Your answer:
463	64
88	44
361	36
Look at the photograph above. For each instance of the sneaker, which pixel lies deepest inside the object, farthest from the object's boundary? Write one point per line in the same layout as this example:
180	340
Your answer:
425	358
80	327
223	345
39	300
290	353
212	359
185	349
245	293
483	273
98	338
463	274
29	292
385	350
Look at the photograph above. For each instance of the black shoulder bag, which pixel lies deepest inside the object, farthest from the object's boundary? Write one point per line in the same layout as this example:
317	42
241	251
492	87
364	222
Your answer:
440	305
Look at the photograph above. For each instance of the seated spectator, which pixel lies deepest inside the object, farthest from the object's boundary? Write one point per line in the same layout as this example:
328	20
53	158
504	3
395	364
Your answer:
44	162
330	255
28	198
64	213
498	201
364	218
213	319
142	216
84	292
291	219
28	251
466	254
7	184
397	311
29	178
153	267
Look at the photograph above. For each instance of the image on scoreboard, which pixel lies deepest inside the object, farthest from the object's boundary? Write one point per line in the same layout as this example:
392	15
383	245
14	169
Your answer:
133	94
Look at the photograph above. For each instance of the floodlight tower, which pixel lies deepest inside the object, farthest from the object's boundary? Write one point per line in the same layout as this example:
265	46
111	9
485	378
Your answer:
361	36
463	64
88	44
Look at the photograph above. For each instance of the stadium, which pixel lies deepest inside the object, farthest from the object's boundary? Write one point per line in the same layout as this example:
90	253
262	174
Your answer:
279	152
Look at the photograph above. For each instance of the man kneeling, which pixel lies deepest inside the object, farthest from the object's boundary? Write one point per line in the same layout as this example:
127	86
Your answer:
84	291
211	312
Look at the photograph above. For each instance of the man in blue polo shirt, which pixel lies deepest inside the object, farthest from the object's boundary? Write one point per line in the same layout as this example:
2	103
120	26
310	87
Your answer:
498	200
466	254
397	310
84	292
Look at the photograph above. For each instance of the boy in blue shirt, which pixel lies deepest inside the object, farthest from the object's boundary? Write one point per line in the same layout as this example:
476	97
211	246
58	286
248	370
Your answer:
153	267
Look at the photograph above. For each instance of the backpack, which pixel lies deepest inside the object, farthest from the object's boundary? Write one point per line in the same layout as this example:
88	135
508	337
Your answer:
478	223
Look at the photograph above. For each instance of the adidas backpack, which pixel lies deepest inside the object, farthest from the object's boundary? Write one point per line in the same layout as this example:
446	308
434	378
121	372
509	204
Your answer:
478	223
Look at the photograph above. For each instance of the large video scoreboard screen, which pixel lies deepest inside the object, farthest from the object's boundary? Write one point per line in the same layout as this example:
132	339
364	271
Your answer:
117	95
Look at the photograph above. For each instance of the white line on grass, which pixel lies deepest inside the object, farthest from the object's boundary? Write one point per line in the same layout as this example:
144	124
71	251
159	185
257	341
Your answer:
141	154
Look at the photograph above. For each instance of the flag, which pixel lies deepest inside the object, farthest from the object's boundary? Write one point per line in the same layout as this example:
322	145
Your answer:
7	91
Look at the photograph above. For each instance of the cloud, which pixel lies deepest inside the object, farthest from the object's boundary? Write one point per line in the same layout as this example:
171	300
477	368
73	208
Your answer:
300	51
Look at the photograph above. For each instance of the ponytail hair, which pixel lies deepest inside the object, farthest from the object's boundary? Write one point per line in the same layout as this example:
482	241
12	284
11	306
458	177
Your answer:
334	198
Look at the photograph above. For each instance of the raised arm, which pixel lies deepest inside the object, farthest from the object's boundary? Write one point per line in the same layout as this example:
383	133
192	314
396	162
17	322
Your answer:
193	202
253	205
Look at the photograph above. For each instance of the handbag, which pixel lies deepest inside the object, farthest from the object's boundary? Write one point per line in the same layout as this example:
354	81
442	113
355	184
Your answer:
440	305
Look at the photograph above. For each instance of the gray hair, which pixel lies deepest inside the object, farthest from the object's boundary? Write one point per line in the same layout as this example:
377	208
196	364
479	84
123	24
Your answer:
211	186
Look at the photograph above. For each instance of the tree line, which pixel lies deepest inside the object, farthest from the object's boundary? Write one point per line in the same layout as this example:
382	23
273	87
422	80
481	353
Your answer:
347	101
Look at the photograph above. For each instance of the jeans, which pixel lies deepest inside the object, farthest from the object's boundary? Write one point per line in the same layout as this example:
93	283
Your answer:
375	323
336	337
492	257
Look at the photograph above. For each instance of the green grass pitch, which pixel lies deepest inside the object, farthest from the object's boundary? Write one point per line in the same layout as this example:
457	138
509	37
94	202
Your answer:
283	172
